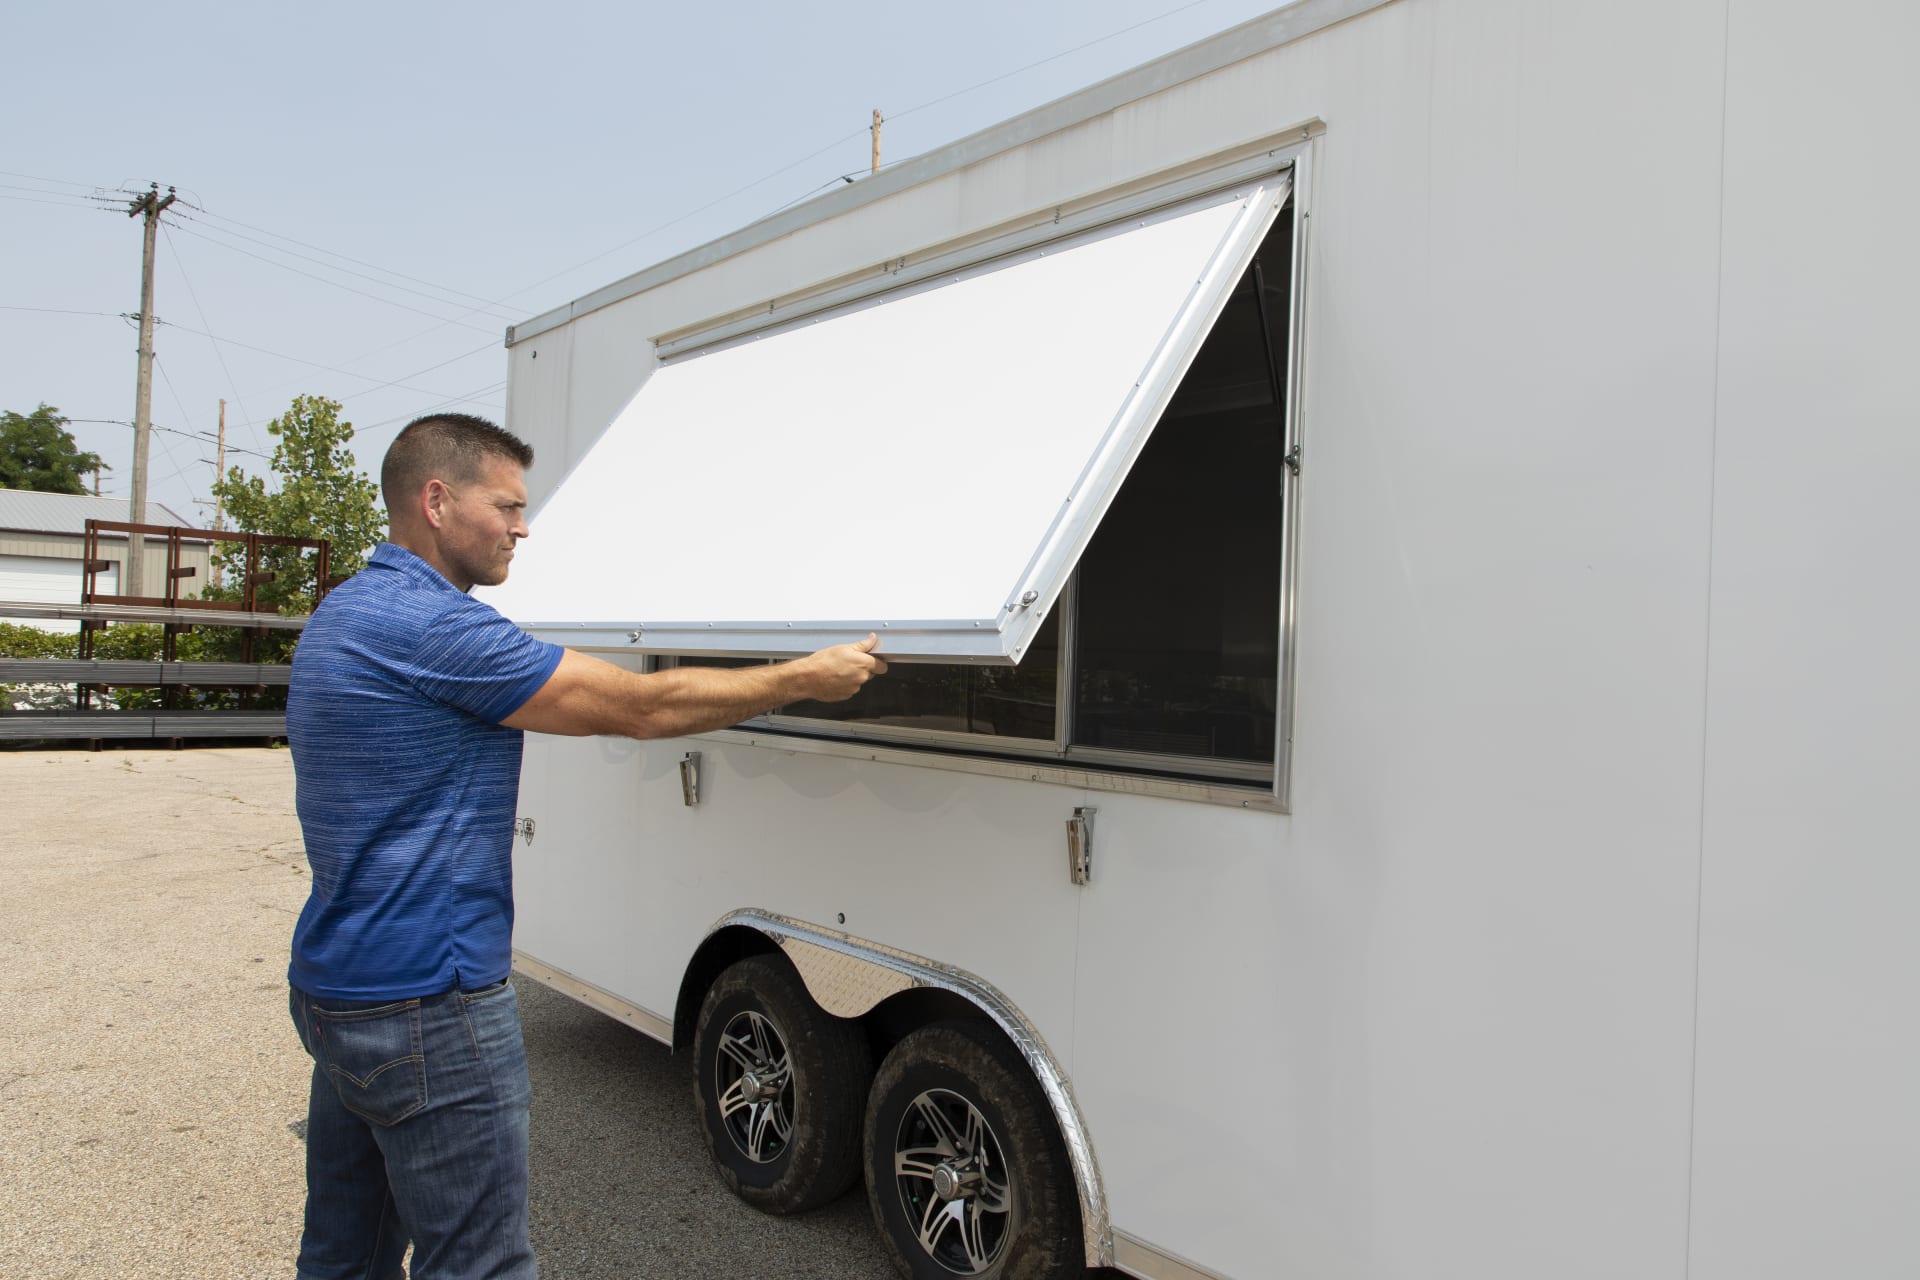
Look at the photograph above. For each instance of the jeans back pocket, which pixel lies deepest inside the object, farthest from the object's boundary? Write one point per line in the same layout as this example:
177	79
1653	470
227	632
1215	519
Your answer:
375	1059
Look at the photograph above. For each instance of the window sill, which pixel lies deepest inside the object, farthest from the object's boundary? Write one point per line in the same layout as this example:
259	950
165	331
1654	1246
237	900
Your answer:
1254	796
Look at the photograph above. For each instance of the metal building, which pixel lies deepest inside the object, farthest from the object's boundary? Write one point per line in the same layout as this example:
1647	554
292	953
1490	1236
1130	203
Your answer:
42	548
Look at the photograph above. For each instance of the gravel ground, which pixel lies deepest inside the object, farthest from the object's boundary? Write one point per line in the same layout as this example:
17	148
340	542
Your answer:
152	1091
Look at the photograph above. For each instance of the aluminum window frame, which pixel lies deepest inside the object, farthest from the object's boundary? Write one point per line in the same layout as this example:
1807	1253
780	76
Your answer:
1206	780
1238	784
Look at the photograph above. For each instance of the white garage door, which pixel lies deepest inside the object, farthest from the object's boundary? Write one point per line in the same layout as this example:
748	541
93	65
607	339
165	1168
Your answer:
49	580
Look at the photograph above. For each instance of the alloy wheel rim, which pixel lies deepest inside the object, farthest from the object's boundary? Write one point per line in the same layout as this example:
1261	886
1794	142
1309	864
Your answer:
951	1173
753	1079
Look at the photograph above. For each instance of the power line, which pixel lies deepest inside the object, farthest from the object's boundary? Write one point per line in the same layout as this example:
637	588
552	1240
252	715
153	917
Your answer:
314	364
166	449
62	311
61	200
457	293
218	354
41	191
839	142
64	182
431	297
467	397
334	283
168	379
278	355
1055	57
429	369
206	436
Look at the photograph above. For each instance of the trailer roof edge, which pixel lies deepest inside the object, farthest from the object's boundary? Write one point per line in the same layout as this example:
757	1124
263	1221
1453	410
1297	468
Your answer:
1236	44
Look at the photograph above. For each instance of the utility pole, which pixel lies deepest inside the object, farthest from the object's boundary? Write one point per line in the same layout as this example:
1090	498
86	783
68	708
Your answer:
876	139
219	503
152	206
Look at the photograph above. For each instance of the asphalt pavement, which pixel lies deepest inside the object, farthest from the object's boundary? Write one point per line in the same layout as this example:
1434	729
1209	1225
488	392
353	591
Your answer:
153	1094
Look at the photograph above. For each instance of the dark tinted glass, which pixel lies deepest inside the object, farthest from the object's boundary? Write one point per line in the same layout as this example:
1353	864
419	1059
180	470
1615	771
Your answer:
1005	702
1179	591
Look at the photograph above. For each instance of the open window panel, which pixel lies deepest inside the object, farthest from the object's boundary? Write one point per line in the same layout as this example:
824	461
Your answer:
931	465
1165	657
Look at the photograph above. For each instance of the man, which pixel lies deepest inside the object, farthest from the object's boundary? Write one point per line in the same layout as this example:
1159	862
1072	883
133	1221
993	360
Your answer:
405	716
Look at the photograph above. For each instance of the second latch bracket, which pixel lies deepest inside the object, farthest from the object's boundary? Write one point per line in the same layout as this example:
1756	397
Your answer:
690	779
1080	844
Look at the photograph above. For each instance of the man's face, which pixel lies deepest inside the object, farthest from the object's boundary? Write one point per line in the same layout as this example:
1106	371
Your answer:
481	522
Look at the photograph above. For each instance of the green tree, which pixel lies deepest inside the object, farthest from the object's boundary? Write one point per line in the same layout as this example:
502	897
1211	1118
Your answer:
317	494
38	452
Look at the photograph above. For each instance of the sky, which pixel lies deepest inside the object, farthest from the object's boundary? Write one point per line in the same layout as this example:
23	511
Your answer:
370	193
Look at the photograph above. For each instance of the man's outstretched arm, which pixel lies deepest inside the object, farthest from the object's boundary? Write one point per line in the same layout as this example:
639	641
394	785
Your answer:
587	696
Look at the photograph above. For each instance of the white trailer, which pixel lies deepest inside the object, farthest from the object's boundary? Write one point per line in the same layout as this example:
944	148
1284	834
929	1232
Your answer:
1398	521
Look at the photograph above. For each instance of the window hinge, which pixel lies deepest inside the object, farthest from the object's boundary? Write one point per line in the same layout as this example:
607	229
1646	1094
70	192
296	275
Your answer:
1293	460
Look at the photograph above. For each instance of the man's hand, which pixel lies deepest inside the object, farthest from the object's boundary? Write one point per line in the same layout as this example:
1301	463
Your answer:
836	674
585	695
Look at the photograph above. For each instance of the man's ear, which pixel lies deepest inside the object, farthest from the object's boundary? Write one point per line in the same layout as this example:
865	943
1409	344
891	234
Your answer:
434	498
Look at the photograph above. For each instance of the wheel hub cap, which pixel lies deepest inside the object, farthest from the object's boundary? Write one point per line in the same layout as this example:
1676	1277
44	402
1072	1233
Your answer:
950	1181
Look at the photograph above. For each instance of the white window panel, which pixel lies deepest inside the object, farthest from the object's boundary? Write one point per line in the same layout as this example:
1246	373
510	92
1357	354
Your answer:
928	465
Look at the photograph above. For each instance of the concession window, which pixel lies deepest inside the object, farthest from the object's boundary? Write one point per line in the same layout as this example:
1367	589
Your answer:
928	464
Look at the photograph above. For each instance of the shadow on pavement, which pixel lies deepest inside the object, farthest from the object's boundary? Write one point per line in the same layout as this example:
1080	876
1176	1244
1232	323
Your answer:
621	1187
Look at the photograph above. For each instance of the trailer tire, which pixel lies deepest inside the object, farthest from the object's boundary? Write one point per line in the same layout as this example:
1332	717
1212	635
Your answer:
779	1084
966	1172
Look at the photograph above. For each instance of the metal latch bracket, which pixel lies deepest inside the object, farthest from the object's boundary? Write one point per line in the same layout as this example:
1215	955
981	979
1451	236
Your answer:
690	779
1080	844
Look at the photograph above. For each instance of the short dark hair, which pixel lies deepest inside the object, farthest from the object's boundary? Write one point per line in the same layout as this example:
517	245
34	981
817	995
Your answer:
450	446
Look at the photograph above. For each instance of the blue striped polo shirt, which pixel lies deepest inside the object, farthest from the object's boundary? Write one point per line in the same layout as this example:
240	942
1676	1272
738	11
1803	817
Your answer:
406	782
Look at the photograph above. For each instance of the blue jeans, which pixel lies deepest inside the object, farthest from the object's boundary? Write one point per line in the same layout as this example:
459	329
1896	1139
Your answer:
416	1131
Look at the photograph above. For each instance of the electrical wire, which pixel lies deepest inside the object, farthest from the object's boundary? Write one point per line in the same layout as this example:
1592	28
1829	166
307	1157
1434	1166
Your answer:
198	235
467	397
64	182
456	293
62	311
691	213
166	450
429	369
842	141
202	311
206	436
61	201
431	297
41	191
166	378
1055	57
399	382
206	233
